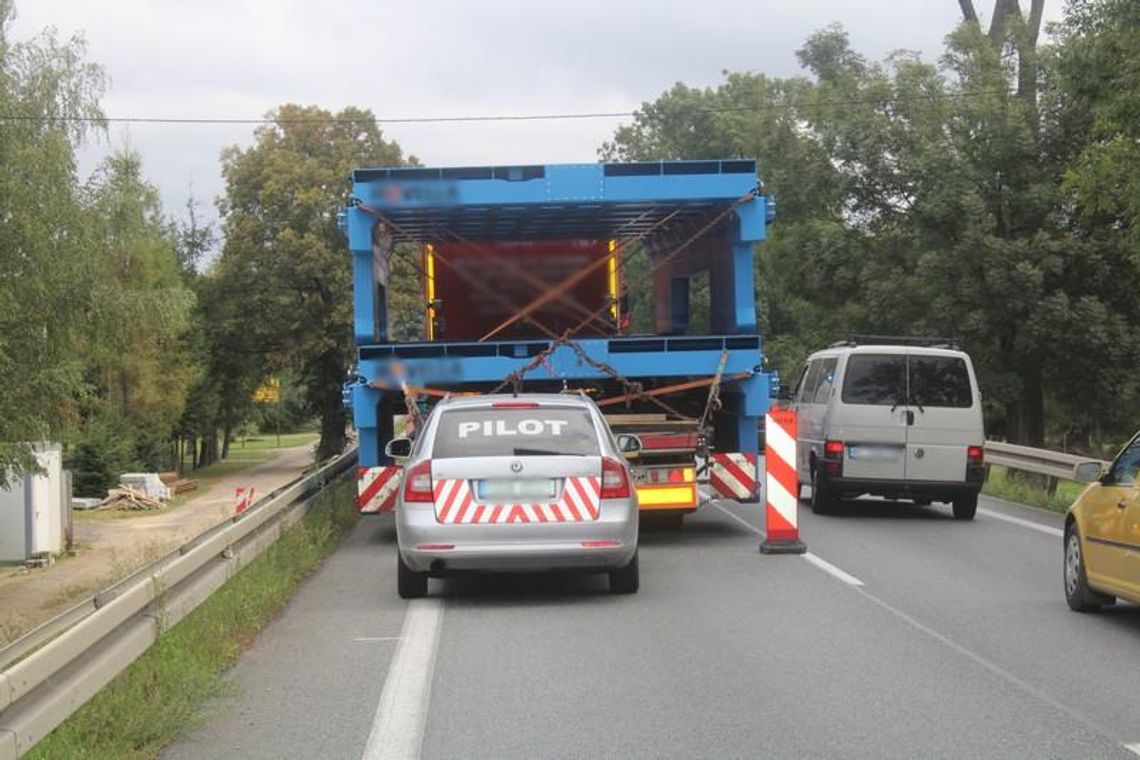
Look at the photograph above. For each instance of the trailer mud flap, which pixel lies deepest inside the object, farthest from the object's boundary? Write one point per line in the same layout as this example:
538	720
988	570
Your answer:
377	487
733	475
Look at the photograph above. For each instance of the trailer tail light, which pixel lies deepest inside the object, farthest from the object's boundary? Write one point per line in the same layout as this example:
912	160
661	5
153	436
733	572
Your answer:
514	405
975	455
615	481
833	449
417	483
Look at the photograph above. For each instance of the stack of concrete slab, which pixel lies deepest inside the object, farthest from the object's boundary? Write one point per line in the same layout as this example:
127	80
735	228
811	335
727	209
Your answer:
147	483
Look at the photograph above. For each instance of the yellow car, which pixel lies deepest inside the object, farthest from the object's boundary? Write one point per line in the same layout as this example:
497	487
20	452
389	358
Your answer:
1102	534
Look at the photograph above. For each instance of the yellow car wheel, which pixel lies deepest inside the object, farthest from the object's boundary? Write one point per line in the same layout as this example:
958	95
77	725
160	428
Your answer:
1080	597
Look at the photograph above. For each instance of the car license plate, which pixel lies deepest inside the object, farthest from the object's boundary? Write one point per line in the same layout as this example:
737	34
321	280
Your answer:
515	490
874	453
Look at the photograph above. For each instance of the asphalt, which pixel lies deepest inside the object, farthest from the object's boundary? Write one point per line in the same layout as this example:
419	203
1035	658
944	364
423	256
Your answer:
929	638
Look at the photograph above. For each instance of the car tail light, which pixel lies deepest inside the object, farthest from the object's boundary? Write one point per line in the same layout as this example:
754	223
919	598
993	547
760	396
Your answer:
600	544
417	483
514	405
975	454
435	547
833	449
615	482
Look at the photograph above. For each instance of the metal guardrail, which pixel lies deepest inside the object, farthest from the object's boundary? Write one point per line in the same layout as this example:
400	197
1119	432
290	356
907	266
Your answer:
53	670
1052	464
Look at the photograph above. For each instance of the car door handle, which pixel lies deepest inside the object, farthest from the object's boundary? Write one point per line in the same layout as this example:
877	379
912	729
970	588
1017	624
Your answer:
1121	504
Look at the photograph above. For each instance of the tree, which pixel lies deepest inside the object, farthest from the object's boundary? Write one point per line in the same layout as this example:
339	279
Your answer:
282	244
44	286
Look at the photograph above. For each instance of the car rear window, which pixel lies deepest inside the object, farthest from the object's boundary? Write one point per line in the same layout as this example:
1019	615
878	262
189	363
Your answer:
940	381
878	379
515	432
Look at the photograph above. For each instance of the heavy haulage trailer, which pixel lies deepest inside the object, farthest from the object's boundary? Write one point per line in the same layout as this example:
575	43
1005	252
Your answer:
524	287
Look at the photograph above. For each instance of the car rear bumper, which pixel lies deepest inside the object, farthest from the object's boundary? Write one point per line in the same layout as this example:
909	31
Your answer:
922	489
517	547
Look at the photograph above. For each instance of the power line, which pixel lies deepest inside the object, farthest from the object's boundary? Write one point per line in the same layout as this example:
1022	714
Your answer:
490	117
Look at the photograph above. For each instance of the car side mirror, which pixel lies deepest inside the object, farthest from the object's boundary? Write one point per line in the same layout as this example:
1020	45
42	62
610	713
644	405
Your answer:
398	448
1087	472
784	393
629	445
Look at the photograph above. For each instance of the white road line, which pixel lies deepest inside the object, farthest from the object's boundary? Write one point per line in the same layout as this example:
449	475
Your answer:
814	559
370	639
740	520
398	728
1046	529
1133	748
831	569
991	666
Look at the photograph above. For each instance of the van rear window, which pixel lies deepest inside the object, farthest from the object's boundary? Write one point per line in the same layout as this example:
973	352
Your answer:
940	381
878	379
515	432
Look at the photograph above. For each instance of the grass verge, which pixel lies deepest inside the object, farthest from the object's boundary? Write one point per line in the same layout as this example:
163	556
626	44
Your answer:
1031	492
162	693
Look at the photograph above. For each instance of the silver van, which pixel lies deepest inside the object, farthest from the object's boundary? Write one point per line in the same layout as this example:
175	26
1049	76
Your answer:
895	419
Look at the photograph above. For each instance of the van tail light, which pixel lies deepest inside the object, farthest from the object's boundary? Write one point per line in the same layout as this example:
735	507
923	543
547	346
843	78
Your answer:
615	481
417	483
833	449
975	455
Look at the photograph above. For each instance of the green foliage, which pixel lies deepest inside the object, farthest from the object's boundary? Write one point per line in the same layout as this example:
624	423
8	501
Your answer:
161	695
284	252
104	451
920	199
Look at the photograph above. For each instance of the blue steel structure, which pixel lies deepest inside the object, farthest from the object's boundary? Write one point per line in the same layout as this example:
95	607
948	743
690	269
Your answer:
665	202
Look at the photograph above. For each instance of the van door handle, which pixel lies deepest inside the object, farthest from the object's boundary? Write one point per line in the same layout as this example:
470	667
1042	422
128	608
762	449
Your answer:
909	417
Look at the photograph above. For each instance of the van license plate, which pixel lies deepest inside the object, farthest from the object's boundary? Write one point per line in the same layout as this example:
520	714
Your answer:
515	490
874	453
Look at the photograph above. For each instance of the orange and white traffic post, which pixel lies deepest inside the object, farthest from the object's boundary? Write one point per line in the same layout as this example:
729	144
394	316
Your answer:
782	533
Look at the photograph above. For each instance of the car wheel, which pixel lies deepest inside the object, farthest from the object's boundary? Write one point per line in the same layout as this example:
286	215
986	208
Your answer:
409	583
625	580
822	500
965	507
1080	597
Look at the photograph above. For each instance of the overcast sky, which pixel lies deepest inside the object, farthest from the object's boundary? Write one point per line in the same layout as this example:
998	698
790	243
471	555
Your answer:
241	58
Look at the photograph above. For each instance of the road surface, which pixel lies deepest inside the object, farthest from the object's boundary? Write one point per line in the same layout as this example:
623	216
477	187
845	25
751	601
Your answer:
903	633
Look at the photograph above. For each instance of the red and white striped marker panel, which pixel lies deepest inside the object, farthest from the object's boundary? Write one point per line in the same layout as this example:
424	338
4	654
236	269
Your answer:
580	502
733	474
377	488
780	462
243	498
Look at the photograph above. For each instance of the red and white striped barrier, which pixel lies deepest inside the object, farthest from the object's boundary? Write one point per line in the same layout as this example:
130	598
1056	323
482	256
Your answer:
733	475
580	502
780	485
377	488
243	498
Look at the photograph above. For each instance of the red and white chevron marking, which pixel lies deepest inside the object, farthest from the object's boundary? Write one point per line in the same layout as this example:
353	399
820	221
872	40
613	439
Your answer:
780	461
377	488
733	474
455	504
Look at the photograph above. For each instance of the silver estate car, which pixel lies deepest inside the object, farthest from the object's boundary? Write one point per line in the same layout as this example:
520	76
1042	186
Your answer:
503	483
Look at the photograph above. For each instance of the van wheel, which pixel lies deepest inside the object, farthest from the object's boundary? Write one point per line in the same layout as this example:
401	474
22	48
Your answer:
409	583
1080	597
822	500
625	580
965	507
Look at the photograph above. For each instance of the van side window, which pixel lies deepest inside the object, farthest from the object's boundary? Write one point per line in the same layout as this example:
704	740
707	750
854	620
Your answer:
826	381
798	395
878	379
811	381
939	381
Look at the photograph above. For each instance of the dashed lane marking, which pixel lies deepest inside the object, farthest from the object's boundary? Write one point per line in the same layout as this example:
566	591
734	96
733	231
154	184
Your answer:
1046	529
831	569
398	728
371	639
1133	748
814	559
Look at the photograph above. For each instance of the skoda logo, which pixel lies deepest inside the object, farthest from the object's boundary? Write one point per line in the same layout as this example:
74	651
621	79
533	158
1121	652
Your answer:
516	466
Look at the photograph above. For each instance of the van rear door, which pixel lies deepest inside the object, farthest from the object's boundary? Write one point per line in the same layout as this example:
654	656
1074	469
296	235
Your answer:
946	415
871	418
